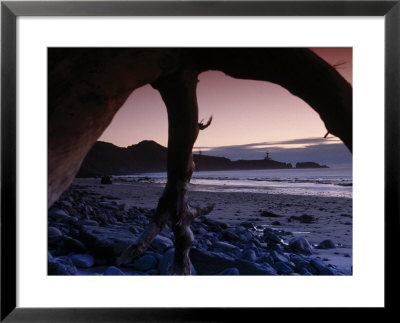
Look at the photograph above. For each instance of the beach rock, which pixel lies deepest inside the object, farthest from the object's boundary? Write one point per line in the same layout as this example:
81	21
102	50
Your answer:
326	244
106	241
82	261
74	245
61	266
200	231
240	229
145	263
167	261
214	226
322	268
246	236
54	236
304	271
282	268
307	218
153	271
207	263
161	243
278	257
276	223
54	233
58	214
90	223
249	255
299	262
224	246
267	214
230	235
248	225
125	207
266	259
300	244
66	203
270	236
113	271
229	272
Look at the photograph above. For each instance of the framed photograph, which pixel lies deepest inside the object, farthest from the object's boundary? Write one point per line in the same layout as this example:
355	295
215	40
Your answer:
279	117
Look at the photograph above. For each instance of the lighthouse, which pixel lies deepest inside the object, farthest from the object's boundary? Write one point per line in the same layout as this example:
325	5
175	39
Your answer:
267	156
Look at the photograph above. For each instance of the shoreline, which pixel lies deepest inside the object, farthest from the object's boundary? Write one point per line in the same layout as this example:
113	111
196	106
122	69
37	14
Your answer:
333	215
116	214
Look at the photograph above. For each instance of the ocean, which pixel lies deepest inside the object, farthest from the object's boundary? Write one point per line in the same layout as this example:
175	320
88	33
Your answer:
331	182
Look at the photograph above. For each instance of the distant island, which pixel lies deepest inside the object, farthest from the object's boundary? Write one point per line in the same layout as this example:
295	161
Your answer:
148	156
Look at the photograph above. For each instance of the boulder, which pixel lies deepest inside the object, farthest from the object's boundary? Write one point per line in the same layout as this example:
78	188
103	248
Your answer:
229	272
106	242
145	263
166	262
113	271
160	243
58	214
74	245
230	235
326	244
282	268
61	266
208	263
249	255
224	246
82	260
322	268
300	244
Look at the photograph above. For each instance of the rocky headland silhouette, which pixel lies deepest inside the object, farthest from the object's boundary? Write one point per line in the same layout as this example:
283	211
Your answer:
148	156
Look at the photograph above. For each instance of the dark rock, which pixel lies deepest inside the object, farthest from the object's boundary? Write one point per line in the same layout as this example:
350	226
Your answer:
229	272
145	263
207	263
161	243
58	214
266	259
167	261
106	241
90	223
230	235
248	225
299	262
82	261
74	245
304	271
270	236
224	246
54	235
322	268
307	218
267	214
283	268
249	255
246	236
113	271
300	244
326	244
240	229
278	257
61	266
276	223
106	180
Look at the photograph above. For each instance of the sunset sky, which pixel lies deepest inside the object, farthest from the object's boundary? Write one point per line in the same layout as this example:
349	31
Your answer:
249	117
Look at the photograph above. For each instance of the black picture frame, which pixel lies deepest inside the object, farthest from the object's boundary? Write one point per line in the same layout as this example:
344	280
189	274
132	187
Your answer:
10	10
